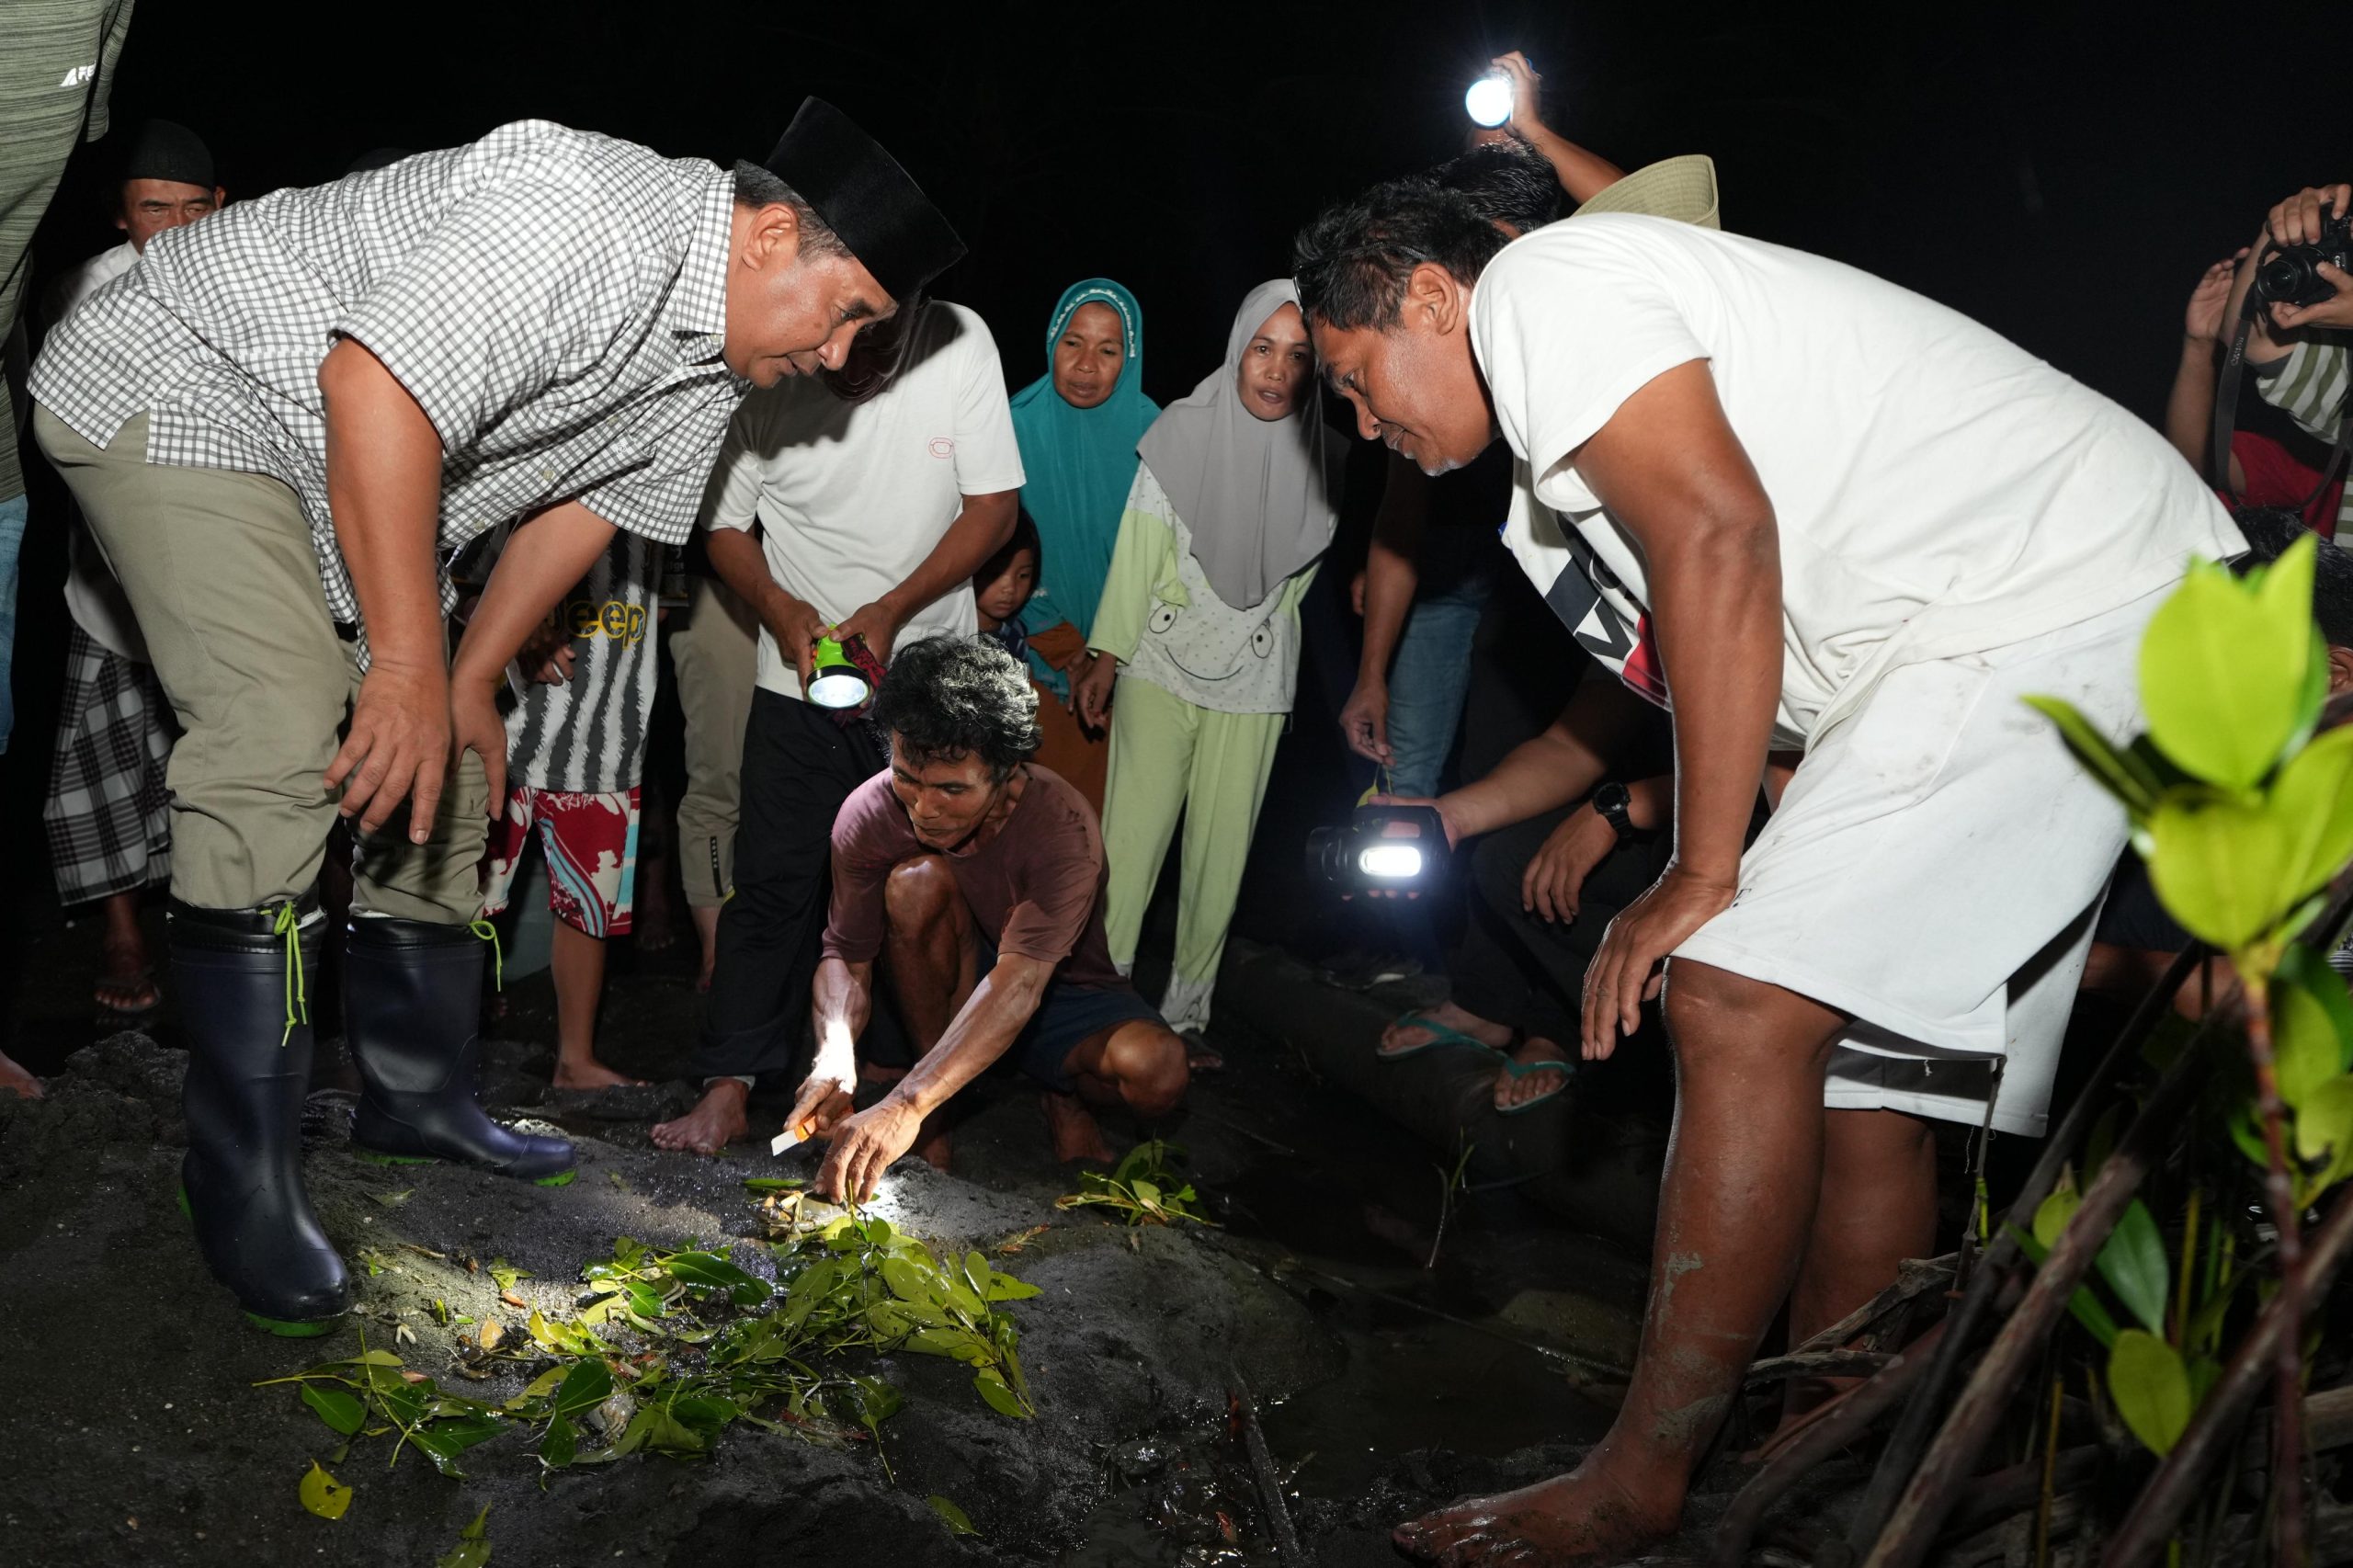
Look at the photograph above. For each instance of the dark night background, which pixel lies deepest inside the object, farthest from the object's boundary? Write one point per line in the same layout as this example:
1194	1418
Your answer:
2061	172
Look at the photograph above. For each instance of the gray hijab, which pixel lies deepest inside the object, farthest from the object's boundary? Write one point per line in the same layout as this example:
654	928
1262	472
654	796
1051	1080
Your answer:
1260	498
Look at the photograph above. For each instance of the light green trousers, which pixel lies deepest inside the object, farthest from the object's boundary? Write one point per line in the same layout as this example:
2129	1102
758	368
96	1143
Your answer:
1169	758
219	569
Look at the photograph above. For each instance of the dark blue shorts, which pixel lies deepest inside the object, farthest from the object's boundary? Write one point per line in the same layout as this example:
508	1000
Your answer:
1067	1014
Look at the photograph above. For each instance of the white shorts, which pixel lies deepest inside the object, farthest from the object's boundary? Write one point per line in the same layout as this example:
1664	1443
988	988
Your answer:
1934	869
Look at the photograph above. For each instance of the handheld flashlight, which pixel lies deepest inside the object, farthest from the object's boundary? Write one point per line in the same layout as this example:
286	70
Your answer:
1382	848
1488	102
836	682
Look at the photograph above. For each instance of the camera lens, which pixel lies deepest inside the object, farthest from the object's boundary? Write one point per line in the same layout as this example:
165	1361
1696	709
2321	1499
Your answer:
2289	277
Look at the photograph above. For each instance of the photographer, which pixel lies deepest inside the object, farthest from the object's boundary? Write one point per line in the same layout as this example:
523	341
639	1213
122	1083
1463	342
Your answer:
2297	354
1563	852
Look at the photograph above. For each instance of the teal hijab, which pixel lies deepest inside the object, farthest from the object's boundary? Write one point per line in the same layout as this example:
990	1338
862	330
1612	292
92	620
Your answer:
1081	463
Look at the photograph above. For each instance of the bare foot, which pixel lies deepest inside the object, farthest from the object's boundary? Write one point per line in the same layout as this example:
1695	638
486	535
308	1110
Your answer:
592	1075
1399	1037
932	1146
1581	1518
17	1081
126	982
716	1121
1076	1134
1539	1077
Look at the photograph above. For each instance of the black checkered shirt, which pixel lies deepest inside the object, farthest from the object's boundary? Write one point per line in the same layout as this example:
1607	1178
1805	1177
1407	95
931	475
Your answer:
554	300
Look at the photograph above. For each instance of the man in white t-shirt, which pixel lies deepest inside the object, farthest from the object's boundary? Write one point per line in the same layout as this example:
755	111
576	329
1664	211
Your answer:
876	507
1831	518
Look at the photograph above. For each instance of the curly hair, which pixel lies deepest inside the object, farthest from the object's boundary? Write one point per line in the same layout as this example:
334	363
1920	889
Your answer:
1352	262
948	697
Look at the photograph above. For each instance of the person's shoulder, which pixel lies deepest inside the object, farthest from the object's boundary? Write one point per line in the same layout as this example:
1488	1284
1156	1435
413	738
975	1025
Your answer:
610	171
868	816
1062	811
956	335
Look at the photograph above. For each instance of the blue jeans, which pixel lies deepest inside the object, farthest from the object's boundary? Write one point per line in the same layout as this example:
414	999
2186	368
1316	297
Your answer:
13	512
1428	682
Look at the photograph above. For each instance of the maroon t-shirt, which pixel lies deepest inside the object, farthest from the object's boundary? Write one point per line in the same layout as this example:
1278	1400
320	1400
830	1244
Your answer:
1035	890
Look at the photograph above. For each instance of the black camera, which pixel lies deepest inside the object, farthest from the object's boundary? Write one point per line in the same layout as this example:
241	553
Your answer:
1381	848
2290	274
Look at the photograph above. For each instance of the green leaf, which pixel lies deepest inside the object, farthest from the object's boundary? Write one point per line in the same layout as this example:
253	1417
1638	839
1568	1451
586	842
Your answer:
2119	772
2221	863
474	1544
1005	1287
2312	1022
2052	1215
773	1183
951	1516
707	1270
560	1444
2150	1387
323	1494
336	1408
997	1395
2313	797
589	1384
906	1281
506	1273
2223	667
2324	1131
2083	1305
2132	1261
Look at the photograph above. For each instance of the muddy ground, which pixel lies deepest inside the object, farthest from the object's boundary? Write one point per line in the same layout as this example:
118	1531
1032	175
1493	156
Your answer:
130	1431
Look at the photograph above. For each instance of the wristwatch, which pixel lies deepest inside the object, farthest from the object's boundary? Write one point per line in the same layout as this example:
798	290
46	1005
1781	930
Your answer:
1615	803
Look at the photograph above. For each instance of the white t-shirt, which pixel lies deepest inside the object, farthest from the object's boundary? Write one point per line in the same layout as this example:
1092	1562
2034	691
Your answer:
1937	490
854	497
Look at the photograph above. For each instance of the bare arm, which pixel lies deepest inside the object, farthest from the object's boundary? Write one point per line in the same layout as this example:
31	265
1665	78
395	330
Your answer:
552	551
980	530
999	1006
795	624
385	492
2189	407
1575	753
1582	173
1672	472
1390	577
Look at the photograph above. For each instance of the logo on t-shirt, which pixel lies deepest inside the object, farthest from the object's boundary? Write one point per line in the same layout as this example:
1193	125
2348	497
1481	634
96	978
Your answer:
79	75
1606	621
943	445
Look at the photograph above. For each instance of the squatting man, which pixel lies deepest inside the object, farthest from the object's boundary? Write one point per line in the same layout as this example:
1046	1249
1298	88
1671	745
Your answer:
977	877
1836	522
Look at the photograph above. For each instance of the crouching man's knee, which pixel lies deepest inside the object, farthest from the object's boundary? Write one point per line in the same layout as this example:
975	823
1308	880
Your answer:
1147	1060
919	893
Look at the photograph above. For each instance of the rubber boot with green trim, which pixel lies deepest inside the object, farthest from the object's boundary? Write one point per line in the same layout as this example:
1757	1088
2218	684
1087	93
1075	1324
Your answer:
411	992
242	979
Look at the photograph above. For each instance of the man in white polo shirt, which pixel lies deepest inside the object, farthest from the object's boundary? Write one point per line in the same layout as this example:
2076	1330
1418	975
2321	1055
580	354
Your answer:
879	492
1829	518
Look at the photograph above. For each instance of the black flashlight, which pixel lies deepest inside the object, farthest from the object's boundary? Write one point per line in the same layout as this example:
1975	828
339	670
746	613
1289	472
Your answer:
1380	849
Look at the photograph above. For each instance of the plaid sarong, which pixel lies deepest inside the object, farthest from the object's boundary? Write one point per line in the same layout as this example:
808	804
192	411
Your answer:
108	812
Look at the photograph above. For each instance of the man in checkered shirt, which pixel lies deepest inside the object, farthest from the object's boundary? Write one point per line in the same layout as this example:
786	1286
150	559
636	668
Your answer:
275	425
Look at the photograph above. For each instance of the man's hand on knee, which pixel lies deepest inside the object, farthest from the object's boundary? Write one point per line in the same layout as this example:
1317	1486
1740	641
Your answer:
1624	972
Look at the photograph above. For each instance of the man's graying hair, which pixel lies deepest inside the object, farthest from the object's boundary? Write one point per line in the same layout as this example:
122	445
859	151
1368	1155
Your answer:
1352	262
756	187
948	697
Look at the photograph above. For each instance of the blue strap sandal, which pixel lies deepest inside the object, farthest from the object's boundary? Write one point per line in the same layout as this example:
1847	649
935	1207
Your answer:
1515	1068
1440	1034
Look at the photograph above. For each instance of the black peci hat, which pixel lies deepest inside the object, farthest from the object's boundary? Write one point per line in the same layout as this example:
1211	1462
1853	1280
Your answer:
866	198
168	150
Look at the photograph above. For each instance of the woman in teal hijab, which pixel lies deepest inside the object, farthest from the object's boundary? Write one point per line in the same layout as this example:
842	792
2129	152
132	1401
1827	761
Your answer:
1078	426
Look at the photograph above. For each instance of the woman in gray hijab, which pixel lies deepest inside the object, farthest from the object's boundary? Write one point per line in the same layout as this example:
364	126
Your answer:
1232	504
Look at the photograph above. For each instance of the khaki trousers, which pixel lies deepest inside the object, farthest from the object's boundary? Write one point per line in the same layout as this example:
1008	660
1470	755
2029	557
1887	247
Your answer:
715	650
220	571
